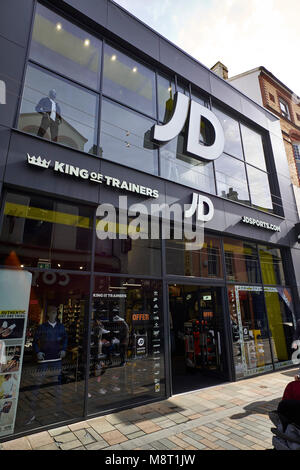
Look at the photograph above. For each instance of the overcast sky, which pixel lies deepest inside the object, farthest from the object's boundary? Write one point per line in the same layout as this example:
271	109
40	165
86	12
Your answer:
243	34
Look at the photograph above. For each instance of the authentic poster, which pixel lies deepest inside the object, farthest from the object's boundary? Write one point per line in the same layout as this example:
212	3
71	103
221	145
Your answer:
15	288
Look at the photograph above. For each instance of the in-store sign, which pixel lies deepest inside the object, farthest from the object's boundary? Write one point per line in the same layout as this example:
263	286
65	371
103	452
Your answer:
44	264
92	176
141	345
183	107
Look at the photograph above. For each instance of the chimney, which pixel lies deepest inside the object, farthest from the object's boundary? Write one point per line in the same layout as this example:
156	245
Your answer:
221	70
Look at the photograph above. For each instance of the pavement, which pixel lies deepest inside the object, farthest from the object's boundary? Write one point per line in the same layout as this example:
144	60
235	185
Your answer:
230	416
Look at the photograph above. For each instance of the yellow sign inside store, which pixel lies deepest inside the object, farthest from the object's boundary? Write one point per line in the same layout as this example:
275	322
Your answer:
54	217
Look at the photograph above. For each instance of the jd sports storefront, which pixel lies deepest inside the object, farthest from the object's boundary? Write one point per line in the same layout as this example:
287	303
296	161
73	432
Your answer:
91	325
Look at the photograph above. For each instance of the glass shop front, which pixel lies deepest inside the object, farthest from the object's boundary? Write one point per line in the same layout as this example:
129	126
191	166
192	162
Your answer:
93	337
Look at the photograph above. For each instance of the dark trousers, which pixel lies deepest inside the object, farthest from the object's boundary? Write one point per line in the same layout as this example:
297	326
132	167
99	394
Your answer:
45	124
289	411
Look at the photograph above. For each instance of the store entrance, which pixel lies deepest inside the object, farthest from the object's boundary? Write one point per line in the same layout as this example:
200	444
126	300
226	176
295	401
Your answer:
197	337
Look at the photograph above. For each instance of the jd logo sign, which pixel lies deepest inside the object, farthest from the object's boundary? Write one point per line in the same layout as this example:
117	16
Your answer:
182	106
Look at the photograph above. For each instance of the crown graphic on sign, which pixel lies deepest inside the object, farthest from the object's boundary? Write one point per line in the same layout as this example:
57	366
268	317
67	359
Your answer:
38	161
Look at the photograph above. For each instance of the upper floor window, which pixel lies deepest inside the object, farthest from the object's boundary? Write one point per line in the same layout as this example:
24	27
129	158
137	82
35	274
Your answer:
284	109
253	148
125	138
233	141
128	81
58	110
65	48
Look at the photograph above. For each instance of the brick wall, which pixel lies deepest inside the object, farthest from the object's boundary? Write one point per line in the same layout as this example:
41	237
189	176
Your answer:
271	91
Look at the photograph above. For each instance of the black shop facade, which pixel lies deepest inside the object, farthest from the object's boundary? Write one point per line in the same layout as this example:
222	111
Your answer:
92	324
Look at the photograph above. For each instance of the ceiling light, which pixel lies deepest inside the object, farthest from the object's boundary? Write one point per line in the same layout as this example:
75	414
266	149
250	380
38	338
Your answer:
134	69
118	288
58	27
113	57
131	285
87	42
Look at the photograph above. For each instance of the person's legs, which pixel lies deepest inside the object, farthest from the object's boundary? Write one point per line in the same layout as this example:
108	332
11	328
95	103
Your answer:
44	126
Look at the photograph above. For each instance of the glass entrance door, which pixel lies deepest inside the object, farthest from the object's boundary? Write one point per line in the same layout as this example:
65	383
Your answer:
197	338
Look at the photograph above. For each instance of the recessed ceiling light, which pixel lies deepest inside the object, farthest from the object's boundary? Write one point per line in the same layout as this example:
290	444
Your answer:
113	57
87	42
134	69
58	26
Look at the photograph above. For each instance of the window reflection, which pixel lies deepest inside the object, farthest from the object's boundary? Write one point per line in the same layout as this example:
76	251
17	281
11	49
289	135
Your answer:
233	142
39	232
165	92
281	323
231	179
125	138
271	265
128	81
128	256
241	261
179	167
65	48
59	111
259	189
253	148
199	263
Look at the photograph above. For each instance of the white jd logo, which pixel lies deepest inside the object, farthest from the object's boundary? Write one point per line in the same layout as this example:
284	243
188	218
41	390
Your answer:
167	132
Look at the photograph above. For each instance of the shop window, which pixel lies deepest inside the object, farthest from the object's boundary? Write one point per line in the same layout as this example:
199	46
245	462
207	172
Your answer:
271	265
56	110
231	179
241	261
281	320
198	263
65	48
253	147
165	94
259	189
52	382
251	346
40	232
233	141
125	138
126	356
128	256
181	168
128	81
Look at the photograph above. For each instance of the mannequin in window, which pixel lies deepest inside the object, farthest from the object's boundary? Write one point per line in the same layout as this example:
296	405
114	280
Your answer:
49	345
51	113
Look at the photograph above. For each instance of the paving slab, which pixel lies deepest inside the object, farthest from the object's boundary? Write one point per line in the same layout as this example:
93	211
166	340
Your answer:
231	416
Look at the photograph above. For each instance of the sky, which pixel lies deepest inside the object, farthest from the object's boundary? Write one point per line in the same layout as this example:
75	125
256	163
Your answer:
242	34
